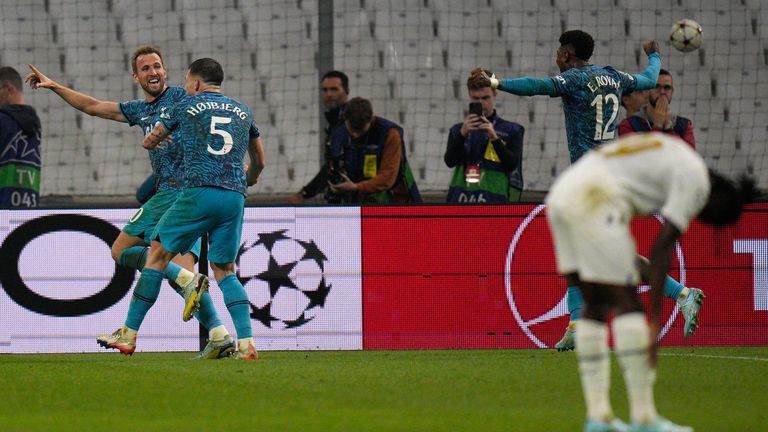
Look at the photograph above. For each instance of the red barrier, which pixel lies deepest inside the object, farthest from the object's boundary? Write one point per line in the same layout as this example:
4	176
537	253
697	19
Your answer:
484	276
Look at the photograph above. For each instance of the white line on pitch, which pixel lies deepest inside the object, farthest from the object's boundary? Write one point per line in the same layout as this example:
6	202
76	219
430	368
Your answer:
726	357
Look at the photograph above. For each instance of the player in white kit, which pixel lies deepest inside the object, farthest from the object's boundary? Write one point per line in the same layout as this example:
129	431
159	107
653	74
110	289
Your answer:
590	207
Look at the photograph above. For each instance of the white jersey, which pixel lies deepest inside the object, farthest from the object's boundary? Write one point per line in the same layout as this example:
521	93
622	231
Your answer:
655	172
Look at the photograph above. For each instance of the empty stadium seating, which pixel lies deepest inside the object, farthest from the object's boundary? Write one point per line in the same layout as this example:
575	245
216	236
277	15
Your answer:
411	58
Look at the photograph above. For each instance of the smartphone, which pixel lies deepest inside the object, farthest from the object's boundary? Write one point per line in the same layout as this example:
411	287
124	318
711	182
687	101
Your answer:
476	108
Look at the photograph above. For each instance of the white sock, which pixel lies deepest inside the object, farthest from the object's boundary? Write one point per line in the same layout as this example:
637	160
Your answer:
595	368
184	278
244	345
632	336
129	332
218	333
683	295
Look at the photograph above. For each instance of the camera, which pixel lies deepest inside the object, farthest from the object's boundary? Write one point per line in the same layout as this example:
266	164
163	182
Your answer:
335	170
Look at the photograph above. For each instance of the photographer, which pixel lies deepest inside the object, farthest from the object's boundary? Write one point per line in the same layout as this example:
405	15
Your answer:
368	163
334	89
485	151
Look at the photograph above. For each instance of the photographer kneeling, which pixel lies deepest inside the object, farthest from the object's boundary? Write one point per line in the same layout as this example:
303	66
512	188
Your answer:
368	160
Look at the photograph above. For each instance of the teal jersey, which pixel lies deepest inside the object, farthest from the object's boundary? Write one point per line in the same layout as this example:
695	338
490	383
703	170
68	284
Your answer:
591	102
214	131
168	160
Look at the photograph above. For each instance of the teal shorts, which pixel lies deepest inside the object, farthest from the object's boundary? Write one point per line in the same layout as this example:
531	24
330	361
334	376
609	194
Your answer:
204	210
143	223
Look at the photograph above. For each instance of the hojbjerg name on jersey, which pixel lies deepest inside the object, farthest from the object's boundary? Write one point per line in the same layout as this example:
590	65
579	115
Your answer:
213	105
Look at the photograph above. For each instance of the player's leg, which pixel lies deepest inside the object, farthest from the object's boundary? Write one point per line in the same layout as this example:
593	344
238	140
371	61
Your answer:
567	264
594	359
220	343
632	337
236	300
144	296
601	249
574	301
130	248
689	299
180	230
224	244
130	251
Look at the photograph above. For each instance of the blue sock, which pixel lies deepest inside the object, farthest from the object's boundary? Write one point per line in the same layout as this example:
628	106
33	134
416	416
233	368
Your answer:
144	296
206	315
574	302
133	257
172	271
672	288
236	300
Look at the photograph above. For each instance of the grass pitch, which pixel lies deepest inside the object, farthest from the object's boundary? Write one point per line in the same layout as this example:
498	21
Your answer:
712	389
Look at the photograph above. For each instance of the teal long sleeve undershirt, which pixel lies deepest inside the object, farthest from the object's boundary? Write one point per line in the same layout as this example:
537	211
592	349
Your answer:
528	86
647	79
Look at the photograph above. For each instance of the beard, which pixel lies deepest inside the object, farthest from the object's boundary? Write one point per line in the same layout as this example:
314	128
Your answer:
150	91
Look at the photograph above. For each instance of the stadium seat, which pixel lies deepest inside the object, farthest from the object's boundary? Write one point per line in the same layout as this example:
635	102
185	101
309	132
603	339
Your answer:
469	26
84	30
353	25
404	25
25	28
411	55
142	7
204	24
361	54
76	9
99	59
154	28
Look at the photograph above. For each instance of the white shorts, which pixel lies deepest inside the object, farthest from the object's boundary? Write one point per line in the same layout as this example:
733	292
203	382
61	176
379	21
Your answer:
589	221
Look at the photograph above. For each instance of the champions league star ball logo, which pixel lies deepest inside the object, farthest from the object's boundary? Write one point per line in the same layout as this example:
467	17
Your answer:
520	299
284	279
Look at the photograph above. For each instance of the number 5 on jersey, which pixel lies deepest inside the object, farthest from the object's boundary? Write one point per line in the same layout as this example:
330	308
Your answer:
222	133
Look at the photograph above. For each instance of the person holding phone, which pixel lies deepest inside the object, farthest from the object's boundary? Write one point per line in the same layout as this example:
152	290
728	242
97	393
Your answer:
485	151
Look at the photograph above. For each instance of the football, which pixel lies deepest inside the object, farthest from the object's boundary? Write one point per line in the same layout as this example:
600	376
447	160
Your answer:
685	35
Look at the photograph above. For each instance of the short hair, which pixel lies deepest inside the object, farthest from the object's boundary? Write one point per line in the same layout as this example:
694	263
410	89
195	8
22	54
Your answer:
477	83
623	95
359	113
340	75
727	199
581	41
144	50
664	72
208	69
9	75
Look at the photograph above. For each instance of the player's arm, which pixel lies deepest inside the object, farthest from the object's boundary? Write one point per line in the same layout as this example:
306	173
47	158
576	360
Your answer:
80	101
647	79
661	253
525	86
158	135
256	153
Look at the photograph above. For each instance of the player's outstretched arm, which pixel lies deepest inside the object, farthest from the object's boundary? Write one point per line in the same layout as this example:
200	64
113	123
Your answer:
525	86
83	102
154	138
647	79
256	153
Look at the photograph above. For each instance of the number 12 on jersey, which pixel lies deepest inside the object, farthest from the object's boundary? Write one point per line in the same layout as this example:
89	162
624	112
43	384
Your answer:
605	133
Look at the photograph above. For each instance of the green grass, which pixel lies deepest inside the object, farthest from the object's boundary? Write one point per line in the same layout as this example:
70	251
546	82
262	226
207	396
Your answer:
461	390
